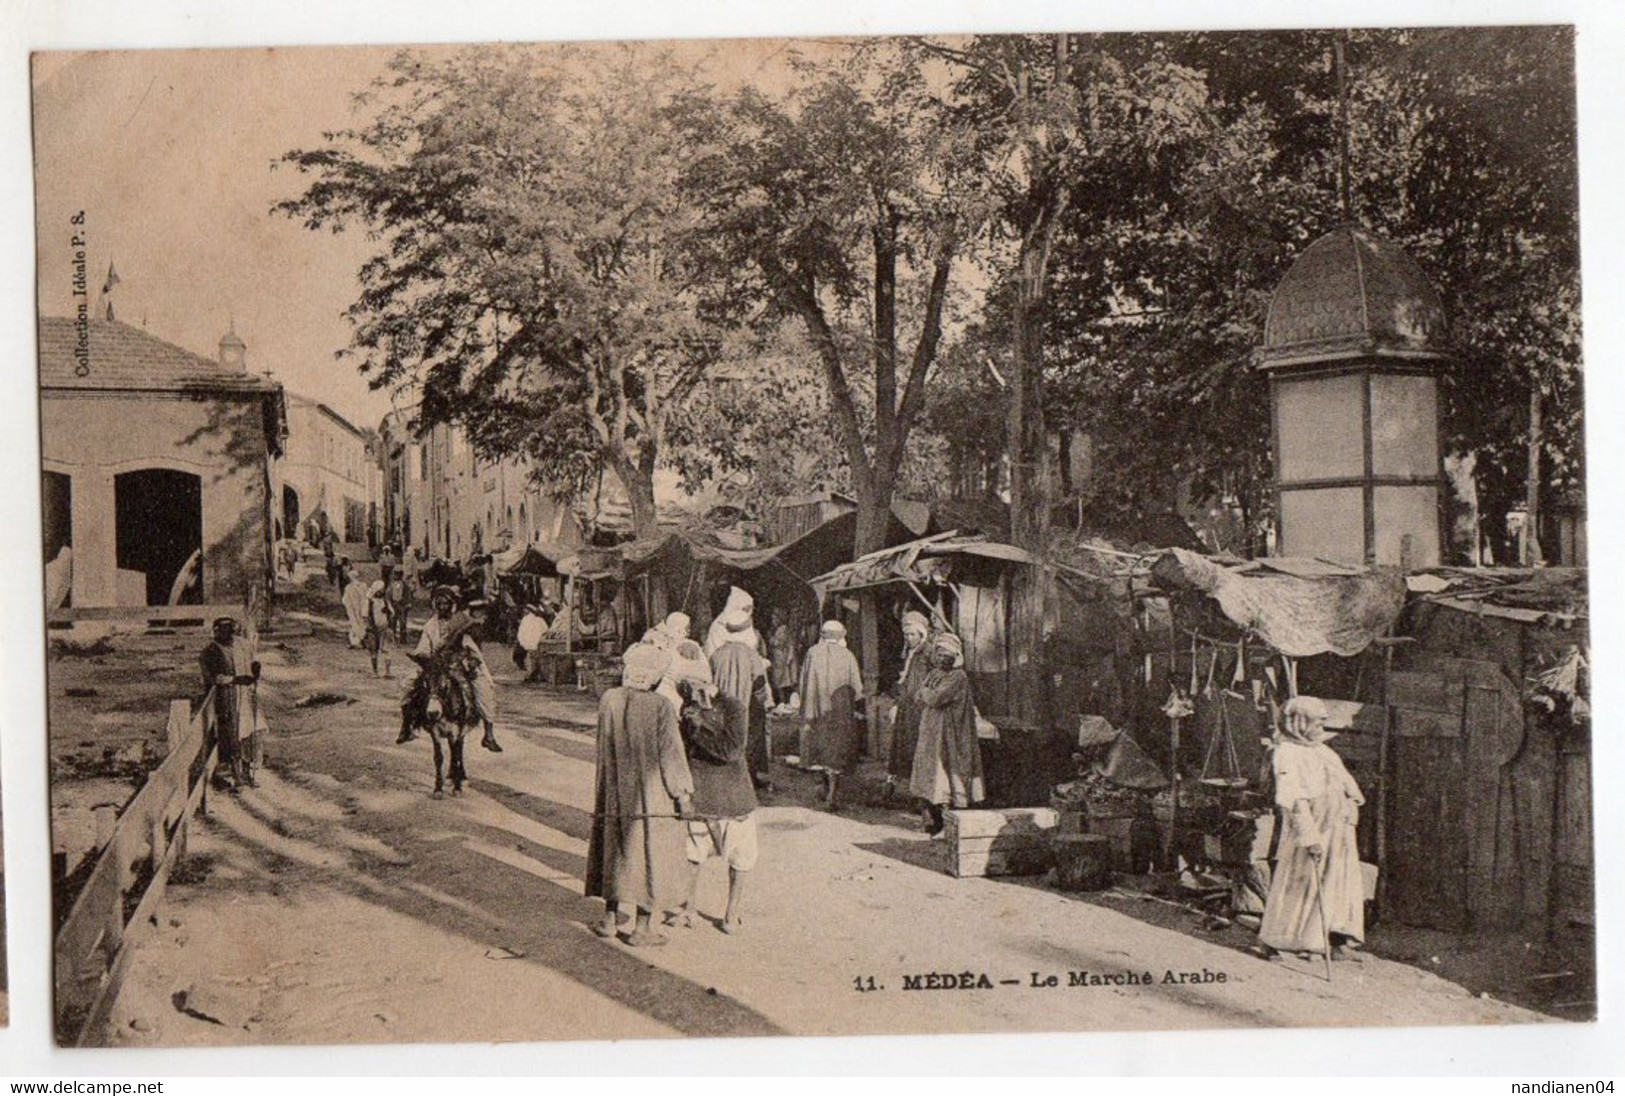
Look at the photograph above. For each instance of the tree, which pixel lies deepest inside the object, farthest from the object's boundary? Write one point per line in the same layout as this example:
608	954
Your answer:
1461	151
844	206
757	426
531	281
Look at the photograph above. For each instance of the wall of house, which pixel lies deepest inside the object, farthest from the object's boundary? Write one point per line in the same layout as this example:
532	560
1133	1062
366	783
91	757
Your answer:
92	437
482	505
330	468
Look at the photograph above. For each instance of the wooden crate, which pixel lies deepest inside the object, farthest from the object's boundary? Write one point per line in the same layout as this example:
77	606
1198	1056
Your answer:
1008	842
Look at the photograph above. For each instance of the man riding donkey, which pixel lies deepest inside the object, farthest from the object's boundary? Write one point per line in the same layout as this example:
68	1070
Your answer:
450	628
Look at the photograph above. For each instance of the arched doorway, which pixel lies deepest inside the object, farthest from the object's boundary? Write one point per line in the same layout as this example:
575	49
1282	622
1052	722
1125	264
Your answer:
158	520
290	509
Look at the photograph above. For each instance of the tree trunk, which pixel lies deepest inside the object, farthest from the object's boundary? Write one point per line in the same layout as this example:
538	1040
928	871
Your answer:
639	481
874	515
1531	537
1029	491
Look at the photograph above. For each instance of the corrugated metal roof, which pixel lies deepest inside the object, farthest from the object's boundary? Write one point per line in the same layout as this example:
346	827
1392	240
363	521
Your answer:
115	356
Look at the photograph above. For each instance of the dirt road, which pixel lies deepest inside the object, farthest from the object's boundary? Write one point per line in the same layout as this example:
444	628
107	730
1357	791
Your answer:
339	903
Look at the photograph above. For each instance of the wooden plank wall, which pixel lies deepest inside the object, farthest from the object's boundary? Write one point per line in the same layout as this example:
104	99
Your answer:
1490	804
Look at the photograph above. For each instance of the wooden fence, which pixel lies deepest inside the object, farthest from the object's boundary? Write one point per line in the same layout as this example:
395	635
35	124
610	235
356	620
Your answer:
124	888
144	616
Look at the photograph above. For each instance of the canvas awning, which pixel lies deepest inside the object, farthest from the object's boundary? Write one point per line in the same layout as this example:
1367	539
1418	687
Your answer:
1299	607
931	561
540	559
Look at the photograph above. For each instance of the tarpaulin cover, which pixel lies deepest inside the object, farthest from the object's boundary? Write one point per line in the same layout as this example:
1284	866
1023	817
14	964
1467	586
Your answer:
928	562
1546	595
1341	614
531	559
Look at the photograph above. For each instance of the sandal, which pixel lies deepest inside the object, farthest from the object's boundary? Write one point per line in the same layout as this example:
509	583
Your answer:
604	930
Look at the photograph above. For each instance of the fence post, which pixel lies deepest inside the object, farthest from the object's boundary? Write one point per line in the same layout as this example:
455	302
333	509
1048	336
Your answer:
180	718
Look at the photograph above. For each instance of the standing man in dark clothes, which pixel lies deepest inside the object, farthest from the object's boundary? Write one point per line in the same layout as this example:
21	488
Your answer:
230	669
741	674
724	797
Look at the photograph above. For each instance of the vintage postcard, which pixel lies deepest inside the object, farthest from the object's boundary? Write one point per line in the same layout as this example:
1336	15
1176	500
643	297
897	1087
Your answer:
1010	533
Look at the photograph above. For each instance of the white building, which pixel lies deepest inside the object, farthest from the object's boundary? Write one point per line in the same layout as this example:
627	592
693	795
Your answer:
328	477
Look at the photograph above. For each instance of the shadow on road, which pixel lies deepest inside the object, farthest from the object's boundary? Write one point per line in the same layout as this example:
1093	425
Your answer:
483	883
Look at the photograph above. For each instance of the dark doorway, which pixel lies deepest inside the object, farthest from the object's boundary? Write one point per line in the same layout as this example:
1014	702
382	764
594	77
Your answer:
290	510
159	516
58	513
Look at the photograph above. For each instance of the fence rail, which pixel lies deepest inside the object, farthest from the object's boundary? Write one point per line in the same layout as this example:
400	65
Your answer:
124	888
145	614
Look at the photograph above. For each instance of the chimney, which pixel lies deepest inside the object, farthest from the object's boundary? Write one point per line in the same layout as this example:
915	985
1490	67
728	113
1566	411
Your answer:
233	351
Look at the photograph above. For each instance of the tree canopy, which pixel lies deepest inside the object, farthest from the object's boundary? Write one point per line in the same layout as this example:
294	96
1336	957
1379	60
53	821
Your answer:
1035	235
531	282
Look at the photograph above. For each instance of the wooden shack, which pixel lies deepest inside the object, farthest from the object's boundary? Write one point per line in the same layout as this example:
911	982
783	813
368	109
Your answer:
1491	759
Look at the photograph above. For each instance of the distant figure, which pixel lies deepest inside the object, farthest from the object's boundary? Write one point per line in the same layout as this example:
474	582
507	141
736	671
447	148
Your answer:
948	759
388	560
905	729
831	686
335	569
354	598
379	626
714	736
635	854
1317	863
231	670
398	596
786	658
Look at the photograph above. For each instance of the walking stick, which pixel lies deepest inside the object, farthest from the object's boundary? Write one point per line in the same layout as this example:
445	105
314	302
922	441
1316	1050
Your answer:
1325	926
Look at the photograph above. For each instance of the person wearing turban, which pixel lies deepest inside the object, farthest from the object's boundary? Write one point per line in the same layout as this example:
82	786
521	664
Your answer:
831	686
740	673
905	735
378	623
636	852
948	759
1317	860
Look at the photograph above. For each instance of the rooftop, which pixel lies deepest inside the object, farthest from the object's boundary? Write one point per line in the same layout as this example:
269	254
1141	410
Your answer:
109	355
1352	294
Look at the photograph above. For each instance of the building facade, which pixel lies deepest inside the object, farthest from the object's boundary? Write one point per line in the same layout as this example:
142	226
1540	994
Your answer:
328	480
439	496
157	468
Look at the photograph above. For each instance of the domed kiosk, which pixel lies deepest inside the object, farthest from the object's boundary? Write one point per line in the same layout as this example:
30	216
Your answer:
1352	340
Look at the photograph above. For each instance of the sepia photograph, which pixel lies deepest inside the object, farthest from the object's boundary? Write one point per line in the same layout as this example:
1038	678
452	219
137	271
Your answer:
913	535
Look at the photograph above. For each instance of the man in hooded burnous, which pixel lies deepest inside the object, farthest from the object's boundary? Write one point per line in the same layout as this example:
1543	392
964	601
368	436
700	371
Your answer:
636	853
1317	894
948	758
905	734
831	686
740	673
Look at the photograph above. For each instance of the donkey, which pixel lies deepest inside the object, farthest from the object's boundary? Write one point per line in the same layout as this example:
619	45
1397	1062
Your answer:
440	701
